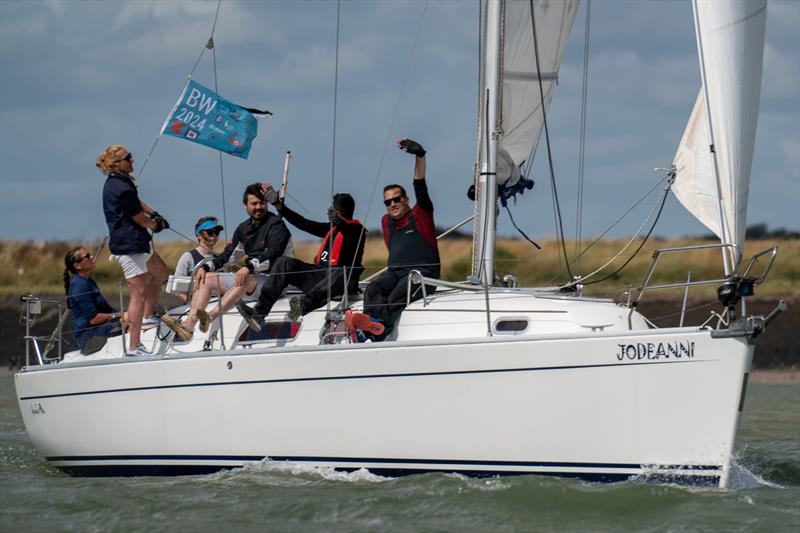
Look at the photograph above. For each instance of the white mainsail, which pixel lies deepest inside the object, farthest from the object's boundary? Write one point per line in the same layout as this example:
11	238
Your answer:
522	101
731	39
520	105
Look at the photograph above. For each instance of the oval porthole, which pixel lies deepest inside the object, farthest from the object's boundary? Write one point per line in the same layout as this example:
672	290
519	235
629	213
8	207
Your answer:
511	325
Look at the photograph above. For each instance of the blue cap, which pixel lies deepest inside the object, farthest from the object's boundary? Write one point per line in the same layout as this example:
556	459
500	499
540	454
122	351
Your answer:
207	225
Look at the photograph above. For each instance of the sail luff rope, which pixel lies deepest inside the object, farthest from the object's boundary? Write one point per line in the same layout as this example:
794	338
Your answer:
559	225
333	155
389	133
582	148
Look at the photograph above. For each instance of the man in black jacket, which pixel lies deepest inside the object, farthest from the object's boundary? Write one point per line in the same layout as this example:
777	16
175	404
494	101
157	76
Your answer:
263	236
340	254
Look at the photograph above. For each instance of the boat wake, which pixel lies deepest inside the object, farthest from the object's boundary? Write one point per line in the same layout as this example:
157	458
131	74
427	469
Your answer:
362	475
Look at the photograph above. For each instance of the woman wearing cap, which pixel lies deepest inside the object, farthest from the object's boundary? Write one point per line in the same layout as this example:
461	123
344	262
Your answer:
128	220
207	231
92	316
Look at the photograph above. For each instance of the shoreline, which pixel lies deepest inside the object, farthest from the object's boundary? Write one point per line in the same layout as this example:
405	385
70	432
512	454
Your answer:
781	376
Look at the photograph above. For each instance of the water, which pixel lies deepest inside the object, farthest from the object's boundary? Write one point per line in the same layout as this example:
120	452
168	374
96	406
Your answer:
36	497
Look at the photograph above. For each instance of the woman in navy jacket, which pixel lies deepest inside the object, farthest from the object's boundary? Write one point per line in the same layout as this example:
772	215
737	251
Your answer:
129	220
91	314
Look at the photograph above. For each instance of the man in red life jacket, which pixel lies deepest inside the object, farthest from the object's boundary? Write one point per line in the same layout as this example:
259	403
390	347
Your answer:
342	247
410	236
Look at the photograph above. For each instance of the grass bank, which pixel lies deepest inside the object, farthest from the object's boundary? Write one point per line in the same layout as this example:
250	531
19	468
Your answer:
37	268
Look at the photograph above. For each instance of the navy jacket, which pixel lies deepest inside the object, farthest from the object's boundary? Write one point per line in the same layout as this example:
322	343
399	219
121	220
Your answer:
263	240
120	204
84	302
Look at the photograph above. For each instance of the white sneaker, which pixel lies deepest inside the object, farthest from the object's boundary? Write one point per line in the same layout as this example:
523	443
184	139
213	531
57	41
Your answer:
140	350
151	321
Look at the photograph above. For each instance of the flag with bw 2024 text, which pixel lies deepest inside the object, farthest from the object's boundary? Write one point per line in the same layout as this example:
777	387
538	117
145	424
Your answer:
204	117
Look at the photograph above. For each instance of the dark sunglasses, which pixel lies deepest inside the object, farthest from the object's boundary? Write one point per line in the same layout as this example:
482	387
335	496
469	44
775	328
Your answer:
395	200
211	232
128	157
81	258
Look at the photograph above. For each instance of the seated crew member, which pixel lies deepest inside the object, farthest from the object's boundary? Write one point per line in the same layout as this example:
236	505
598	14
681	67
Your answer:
207	230
263	236
342	247
92	316
410	236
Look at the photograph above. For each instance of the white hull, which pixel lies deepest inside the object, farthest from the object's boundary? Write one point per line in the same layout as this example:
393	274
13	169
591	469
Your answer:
559	404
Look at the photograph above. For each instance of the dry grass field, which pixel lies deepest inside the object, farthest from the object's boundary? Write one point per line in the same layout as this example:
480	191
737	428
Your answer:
36	268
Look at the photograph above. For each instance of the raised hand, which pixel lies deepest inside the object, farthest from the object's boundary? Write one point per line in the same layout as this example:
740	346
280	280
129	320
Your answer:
412	147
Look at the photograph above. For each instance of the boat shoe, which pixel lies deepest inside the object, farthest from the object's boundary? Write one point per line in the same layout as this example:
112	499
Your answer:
204	319
253	319
182	333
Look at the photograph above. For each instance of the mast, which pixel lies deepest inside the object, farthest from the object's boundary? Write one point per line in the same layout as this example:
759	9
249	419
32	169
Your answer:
725	235
492	129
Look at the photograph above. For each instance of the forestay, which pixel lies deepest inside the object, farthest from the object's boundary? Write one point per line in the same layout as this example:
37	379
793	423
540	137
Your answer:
731	39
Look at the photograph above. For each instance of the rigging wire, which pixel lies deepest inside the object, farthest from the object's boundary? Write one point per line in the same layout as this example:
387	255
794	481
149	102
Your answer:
663	201
188	79
582	148
213	48
614	224
560	225
333	150
660	205
389	130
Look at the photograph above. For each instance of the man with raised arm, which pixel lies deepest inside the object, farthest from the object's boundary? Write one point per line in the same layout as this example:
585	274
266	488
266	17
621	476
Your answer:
410	236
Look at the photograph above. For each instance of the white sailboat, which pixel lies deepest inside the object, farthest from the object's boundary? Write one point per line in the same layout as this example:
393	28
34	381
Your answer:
481	379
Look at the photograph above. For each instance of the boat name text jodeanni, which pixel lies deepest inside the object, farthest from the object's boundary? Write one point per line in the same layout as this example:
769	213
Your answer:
655	350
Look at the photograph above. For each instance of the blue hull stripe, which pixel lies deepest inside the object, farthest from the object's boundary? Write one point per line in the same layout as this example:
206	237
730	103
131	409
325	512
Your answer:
380	460
331	378
689	477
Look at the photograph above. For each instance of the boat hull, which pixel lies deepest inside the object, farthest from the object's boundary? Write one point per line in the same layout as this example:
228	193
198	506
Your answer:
663	402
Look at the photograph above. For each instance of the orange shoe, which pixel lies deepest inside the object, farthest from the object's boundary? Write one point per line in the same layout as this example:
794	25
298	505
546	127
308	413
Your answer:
363	322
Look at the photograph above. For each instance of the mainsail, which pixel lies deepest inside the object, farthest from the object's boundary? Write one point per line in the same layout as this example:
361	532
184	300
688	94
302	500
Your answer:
519	107
730	36
521	100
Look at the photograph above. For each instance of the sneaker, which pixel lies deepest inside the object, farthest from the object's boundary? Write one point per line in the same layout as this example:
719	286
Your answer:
253	319
363	322
295	308
151	321
205	320
182	333
140	350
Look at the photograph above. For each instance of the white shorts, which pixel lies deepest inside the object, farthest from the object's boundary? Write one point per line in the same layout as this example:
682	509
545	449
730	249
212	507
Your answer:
229	278
133	265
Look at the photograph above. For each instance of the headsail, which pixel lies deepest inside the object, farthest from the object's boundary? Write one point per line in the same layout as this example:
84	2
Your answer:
731	39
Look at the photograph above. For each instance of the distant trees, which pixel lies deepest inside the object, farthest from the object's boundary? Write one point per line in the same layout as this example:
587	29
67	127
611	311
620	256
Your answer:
761	231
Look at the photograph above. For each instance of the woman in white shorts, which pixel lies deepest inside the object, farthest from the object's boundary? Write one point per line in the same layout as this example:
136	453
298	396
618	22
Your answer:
129	220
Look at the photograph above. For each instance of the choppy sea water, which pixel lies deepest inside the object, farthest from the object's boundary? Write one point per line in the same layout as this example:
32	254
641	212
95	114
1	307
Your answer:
270	497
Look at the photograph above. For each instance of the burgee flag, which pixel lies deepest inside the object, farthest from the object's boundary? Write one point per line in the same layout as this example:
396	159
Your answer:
204	117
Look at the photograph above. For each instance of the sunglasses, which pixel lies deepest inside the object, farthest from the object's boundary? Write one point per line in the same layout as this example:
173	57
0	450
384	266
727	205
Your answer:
395	200
128	157
81	258
211	232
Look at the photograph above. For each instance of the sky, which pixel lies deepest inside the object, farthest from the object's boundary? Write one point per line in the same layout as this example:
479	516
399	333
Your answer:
77	76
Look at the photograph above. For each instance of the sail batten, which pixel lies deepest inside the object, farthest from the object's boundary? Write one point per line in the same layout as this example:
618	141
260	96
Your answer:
731	35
